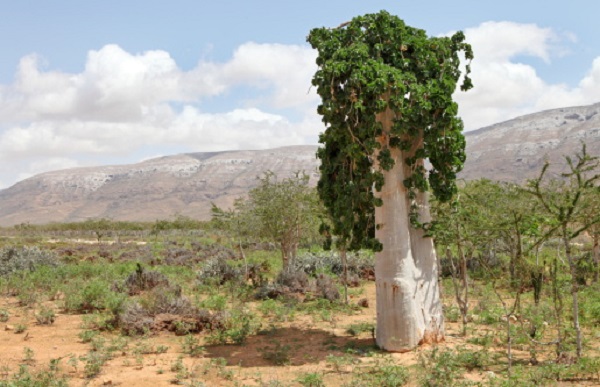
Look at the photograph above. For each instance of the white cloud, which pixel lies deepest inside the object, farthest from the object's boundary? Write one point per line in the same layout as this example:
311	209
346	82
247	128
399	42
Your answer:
505	87
118	86
140	103
501	41
48	164
123	102
590	85
287	69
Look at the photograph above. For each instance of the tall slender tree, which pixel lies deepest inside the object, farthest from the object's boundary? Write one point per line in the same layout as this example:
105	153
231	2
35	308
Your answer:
566	205
285	211
386	91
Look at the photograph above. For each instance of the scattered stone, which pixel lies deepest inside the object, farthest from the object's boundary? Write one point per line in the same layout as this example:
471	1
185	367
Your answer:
363	302
511	317
9	327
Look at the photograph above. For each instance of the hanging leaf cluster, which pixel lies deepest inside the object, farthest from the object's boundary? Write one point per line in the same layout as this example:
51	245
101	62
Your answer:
365	66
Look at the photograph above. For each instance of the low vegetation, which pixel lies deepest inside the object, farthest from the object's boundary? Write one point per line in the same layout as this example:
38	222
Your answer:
202	303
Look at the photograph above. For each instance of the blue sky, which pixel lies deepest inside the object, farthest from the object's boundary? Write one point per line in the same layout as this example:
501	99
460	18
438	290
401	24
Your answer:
111	82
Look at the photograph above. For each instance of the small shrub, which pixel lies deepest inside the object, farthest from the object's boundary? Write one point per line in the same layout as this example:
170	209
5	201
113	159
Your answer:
46	316
181	371
384	374
277	310
87	336
215	302
28	295
440	368
20	328
358	328
326	288
143	347
278	354
94	361
217	365
257	272
287	283
311	379
296	281
166	300
218	271
590	304
95	295
191	346
183	327
118	344
338	363
134	319
235	328
142	280
452	314
360	265
484	341
13	259
172	314
472	359
99	321
42	377
28	355
4	315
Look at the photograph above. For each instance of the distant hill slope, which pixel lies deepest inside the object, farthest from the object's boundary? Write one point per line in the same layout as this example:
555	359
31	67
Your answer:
514	150
153	189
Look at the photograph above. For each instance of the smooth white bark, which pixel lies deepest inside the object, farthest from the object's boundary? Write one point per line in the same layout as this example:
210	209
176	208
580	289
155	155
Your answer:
409	309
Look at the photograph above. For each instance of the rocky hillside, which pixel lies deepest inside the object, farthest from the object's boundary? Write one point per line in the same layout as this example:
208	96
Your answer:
514	150
154	189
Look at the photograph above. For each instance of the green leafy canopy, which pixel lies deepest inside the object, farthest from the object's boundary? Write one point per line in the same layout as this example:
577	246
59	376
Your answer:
371	63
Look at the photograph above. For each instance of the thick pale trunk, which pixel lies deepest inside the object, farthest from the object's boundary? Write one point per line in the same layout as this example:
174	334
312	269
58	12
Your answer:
409	309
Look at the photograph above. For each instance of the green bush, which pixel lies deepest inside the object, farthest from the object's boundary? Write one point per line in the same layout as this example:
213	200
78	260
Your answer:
311	379
278	354
45	316
440	368
13	259
4	315
236	328
141	280
384	374
590	304
95	295
359	264
217	271
42	378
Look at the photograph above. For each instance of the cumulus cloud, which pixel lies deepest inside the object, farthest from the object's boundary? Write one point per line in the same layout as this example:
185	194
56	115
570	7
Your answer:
36	166
122	103
505	87
286	69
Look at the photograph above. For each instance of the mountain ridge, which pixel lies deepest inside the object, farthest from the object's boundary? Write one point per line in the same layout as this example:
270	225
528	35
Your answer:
188	183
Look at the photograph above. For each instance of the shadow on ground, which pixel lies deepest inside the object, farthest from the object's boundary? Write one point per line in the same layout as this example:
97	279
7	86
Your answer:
289	346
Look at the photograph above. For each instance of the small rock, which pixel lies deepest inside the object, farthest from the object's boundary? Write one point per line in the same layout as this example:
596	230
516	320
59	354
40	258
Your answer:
107	382
364	302
9	327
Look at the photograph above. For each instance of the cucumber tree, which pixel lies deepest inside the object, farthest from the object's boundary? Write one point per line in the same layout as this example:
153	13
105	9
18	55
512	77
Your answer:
386	91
